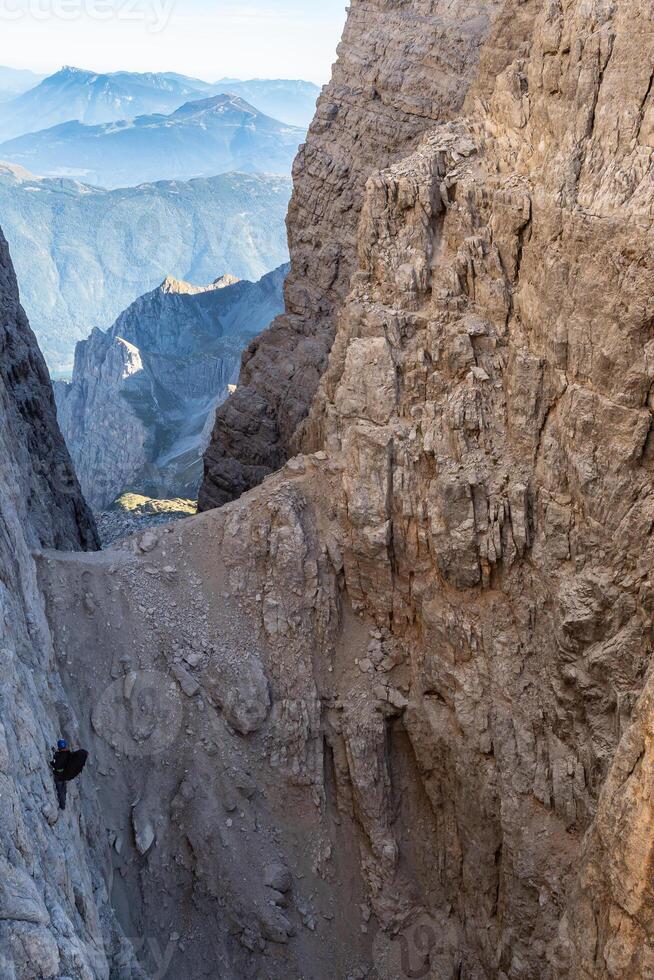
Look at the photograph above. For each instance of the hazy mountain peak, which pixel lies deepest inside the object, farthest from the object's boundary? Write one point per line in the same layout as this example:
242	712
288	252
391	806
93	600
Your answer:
201	138
217	104
173	285
102	97
226	280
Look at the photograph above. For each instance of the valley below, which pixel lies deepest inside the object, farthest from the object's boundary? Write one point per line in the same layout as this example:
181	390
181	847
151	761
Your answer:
138	412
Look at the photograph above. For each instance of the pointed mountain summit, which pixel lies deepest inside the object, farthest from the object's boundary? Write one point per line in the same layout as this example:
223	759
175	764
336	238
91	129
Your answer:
292	100
93	98
139	411
183	288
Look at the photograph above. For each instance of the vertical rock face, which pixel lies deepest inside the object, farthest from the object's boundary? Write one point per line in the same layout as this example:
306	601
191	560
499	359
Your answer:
55	919
489	400
429	641
402	68
486	489
50	502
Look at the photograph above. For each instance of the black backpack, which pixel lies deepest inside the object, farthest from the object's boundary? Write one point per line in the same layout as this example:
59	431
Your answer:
74	764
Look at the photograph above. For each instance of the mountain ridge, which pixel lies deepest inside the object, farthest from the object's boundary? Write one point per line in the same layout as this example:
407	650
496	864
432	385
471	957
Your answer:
100	97
139	410
201	138
83	256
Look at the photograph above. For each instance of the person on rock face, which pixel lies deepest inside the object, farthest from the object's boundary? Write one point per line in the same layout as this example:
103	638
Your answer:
66	766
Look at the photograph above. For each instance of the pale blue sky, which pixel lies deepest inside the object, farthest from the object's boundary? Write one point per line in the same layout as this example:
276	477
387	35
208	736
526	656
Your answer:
206	38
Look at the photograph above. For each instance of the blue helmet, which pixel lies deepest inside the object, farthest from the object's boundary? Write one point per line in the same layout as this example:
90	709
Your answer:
62	744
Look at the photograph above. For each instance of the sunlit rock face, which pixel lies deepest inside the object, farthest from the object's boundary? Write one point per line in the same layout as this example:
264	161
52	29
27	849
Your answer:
402	68
140	408
484	435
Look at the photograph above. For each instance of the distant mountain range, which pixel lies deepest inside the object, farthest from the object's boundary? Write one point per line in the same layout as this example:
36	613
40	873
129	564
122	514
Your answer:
82	254
140	409
93	98
200	139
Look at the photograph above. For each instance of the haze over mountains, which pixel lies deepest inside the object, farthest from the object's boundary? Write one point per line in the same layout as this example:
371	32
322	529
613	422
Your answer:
140	409
83	254
14	81
180	148
200	139
291	101
94	98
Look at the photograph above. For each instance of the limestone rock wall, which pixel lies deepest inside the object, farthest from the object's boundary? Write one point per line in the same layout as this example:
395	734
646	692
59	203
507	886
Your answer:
484	432
402	68
55	919
50	504
489	398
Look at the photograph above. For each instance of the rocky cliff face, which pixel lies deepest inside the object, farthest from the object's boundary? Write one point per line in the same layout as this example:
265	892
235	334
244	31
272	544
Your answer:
138	413
408	677
55	918
402	68
49	503
484	428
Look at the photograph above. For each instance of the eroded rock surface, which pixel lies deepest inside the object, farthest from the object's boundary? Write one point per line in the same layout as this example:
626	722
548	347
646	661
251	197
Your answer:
411	669
484	432
55	915
402	68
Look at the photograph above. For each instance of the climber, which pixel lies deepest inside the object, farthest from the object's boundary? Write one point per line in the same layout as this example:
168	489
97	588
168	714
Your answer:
66	765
